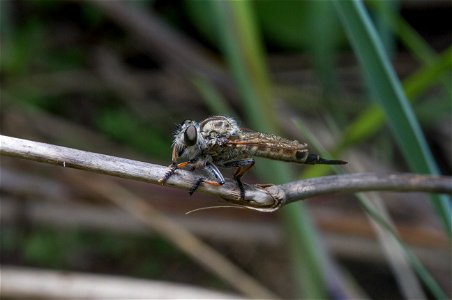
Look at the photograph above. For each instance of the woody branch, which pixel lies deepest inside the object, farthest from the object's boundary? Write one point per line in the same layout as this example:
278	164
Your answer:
257	197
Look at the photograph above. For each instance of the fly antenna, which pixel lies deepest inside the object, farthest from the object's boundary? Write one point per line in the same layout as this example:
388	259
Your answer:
213	207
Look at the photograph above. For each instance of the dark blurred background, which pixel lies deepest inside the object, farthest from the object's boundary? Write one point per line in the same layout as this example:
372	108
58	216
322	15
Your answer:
115	77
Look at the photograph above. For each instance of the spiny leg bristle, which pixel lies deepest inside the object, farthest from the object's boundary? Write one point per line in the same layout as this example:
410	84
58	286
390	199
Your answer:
241	188
173	168
196	185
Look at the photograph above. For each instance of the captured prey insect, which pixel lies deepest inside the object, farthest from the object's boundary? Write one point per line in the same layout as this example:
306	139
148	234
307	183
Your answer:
219	142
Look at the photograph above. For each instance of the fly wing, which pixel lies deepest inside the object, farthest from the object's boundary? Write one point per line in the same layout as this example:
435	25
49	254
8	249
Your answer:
269	146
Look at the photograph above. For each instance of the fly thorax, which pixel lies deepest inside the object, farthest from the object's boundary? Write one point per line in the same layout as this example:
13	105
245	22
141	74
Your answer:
218	126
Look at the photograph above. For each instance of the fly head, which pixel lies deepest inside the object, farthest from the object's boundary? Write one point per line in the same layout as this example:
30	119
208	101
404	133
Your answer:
187	139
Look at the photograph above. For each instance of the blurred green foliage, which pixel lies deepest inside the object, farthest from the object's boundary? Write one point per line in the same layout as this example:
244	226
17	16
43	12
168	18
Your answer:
32	45
92	251
287	25
129	130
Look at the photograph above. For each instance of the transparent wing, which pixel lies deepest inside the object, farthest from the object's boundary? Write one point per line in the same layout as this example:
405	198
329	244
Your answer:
263	140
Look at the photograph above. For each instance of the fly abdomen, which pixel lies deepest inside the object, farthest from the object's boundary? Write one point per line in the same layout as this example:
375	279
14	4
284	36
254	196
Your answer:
252	143
314	159
301	156
283	154
272	147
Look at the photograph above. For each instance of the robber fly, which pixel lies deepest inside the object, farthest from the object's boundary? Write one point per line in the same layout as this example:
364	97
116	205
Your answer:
219	142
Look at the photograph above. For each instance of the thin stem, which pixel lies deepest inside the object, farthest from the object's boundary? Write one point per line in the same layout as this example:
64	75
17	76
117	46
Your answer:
258	197
366	182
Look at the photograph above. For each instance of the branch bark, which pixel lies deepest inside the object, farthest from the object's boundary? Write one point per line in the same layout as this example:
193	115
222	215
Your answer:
26	283
366	182
258	197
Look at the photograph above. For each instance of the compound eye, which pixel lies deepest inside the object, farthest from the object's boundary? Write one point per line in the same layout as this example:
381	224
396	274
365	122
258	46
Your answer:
190	135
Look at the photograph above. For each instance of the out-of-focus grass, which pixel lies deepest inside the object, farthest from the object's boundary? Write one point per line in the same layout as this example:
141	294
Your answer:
125	128
214	101
372	119
423	272
243	50
389	94
383	221
409	37
237	54
298	30
72	249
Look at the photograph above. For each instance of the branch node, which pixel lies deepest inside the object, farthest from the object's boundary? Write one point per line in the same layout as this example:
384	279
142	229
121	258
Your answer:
260	197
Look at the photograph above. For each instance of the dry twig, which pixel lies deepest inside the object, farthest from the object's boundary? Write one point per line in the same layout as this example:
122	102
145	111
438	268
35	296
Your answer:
26	283
259	197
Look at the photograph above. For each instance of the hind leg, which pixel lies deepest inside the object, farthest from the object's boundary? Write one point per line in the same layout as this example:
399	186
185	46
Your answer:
242	166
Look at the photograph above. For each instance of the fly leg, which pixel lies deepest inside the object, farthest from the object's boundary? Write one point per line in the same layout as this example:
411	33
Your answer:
214	172
195	163
173	167
243	166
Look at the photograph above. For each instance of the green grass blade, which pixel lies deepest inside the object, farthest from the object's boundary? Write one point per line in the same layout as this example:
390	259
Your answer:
439	69
245	57
212	98
411	40
385	9
408	36
387	89
376	215
423	273
372	119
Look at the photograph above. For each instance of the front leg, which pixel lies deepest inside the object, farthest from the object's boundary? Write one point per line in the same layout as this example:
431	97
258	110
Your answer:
173	167
195	163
